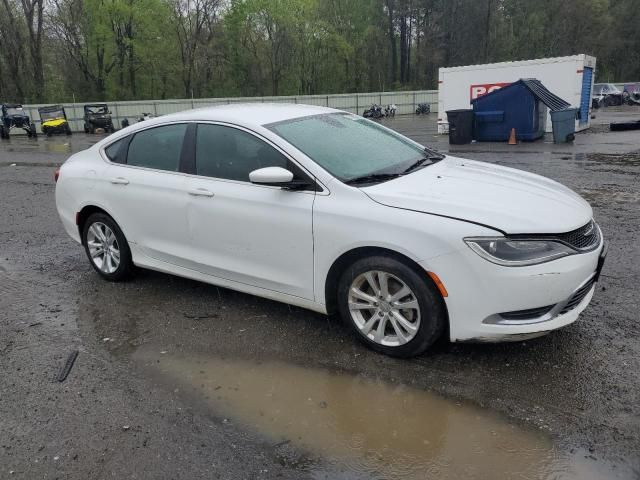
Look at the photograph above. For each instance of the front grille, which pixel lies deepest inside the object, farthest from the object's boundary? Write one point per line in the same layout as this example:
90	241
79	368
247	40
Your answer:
578	296
583	238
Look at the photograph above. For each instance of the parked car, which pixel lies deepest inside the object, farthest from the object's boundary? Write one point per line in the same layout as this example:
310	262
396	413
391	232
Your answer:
631	94
53	119
12	116
97	115
606	95
332	212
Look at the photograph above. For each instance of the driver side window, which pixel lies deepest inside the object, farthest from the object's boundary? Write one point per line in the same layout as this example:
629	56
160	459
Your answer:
231	154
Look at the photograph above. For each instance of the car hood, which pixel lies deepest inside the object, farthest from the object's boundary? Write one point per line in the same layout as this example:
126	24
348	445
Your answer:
507	199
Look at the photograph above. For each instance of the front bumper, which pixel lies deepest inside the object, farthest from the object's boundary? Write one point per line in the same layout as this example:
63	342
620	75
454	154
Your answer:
99	122
488	302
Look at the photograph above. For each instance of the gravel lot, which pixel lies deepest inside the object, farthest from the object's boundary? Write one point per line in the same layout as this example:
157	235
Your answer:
133	405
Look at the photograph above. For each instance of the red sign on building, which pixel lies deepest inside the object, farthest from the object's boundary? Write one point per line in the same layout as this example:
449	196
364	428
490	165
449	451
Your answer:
484	88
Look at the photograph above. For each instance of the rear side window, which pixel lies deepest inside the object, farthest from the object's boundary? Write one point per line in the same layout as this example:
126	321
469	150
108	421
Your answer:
115	151
158	147
230	153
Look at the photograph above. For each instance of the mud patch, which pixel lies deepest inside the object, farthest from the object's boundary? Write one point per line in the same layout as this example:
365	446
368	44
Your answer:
366	428
631	159
608	194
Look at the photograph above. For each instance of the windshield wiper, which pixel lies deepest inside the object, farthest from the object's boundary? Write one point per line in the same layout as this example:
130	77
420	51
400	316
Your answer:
429	156
372	178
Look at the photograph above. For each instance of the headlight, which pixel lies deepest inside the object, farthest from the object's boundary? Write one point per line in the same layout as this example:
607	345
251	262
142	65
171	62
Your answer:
517	253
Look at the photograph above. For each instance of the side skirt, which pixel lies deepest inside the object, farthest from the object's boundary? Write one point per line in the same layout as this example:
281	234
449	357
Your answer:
144	261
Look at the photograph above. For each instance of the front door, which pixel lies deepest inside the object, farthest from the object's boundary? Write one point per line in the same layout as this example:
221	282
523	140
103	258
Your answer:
252	234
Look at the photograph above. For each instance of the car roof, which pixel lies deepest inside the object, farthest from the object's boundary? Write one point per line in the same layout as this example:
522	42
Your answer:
251	114
248	115
50	108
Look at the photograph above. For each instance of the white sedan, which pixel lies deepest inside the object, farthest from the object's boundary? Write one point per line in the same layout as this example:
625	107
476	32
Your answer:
323	209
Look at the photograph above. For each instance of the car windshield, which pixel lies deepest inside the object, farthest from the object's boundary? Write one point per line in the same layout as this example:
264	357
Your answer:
351	147
96	109
51	115
15	111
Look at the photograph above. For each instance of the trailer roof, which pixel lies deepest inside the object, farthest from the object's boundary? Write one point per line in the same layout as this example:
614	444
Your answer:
518	63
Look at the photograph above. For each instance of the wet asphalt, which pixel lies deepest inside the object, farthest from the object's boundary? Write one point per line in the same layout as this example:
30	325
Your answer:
130	407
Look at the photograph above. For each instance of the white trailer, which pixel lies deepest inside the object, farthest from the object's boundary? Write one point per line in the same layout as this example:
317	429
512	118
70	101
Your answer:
570	78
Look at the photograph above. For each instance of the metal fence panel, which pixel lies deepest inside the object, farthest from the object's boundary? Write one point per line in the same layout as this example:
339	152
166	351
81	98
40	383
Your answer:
351	102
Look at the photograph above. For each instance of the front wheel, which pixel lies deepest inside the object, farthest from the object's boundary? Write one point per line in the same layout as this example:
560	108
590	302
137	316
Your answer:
107	248
390	306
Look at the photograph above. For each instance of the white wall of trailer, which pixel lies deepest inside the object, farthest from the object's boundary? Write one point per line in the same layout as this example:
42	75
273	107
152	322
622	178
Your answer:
561	75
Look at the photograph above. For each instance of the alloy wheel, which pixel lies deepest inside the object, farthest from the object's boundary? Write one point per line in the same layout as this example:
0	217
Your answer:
384	308
103	247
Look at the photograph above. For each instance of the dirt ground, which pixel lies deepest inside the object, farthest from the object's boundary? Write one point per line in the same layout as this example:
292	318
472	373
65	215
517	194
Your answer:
177	379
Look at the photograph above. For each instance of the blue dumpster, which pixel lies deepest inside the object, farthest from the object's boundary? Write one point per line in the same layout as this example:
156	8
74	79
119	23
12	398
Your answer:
521	105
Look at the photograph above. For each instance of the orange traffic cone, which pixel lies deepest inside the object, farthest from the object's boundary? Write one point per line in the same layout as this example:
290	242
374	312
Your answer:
512	137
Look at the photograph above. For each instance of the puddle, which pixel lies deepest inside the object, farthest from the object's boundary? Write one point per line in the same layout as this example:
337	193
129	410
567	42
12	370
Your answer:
366	428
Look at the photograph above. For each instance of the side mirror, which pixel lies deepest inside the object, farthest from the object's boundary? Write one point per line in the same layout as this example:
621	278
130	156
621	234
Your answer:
274	176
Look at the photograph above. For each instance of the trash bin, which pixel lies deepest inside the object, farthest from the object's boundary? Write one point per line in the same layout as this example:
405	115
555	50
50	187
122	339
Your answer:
460	126
564	125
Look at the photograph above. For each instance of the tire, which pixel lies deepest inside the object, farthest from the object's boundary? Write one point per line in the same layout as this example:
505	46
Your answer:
427	313
34	131
3	134
95	234
67	129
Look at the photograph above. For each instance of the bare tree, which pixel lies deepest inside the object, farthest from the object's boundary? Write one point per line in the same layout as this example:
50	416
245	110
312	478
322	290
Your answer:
192	18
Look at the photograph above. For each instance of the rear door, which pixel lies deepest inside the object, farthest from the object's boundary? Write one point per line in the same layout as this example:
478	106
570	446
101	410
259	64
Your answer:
146	192
253	234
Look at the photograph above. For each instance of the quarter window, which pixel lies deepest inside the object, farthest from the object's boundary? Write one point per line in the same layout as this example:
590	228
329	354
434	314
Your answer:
158	147
230	153
114	151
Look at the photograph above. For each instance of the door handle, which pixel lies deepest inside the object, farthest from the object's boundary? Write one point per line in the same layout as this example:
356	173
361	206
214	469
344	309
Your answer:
200	192
120	181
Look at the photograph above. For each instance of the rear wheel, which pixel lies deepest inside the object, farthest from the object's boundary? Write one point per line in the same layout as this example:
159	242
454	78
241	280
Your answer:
4	134
390	306
106	247
34	132
67	129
